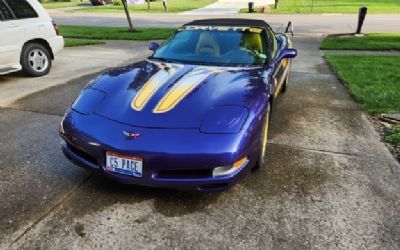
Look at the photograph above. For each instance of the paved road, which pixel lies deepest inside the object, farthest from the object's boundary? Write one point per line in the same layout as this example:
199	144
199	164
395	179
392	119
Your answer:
303	23
329	182
227	7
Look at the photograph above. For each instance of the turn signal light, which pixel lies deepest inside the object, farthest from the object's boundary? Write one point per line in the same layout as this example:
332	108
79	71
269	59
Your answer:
227	170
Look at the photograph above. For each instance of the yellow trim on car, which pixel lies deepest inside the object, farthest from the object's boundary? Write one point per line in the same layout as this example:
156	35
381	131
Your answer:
279	86
182	88
153	84
223	28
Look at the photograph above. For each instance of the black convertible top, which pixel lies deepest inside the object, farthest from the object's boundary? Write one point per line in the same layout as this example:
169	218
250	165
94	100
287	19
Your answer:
234	22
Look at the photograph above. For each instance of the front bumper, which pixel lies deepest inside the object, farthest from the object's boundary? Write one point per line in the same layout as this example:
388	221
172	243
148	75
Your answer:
172	158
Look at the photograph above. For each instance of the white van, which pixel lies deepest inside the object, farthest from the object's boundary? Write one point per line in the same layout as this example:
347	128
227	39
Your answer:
29	38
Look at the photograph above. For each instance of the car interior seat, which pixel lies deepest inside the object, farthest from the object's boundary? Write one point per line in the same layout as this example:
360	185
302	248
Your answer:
207	45
253	42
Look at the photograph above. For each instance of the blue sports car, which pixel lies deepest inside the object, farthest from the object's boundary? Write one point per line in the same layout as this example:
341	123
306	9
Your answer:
192	116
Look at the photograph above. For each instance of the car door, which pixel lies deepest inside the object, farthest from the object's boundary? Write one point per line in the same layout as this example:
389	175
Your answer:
11	36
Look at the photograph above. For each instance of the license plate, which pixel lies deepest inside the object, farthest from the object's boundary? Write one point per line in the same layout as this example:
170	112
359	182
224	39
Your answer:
124	164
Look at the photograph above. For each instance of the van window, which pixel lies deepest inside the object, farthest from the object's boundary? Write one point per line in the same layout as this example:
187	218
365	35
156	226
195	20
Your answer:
22	9
5	13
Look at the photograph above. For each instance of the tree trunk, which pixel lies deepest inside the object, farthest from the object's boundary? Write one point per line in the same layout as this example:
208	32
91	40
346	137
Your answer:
276	4
131	29
165	4
148	4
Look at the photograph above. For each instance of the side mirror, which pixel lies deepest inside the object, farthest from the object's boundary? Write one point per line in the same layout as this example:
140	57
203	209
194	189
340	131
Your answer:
286	53
154	46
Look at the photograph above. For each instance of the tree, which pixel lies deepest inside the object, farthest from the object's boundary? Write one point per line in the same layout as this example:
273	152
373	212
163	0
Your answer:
165	4
276	4
125	4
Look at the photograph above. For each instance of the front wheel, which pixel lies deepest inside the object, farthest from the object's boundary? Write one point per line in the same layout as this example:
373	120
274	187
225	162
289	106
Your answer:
284	86
35	60
264	139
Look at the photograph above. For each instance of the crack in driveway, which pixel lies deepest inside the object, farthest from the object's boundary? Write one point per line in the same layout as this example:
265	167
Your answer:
57	204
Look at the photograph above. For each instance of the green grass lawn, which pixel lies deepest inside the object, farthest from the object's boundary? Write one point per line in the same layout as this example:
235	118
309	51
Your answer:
336	6
155	7
72	42
374	81
114	33
394	137
373	41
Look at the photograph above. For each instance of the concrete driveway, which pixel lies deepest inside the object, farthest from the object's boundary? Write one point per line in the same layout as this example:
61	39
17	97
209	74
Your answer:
71	63
329	182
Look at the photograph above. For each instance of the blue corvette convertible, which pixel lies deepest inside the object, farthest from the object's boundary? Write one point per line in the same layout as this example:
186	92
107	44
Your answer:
192	116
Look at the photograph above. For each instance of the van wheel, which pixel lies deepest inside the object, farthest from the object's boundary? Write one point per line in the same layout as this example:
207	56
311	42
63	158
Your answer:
35	60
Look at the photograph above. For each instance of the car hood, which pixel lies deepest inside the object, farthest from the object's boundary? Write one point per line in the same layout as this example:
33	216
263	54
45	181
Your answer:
166	95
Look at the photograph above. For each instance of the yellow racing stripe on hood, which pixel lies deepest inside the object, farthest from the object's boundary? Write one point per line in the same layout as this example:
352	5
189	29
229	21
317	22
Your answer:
183	87
153	84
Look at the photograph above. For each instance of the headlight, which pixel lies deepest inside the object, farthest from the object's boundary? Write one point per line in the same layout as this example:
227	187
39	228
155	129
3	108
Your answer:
88	100
224	120
227	170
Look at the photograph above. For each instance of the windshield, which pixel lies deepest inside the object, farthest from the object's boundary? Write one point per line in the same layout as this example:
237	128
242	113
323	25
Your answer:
215	46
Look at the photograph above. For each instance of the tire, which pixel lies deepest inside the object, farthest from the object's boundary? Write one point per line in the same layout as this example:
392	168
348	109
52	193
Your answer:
284	86
264	140
35	60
